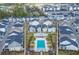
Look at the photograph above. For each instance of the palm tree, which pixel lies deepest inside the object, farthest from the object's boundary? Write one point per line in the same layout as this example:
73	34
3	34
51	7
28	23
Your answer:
32	38
1	14
49	38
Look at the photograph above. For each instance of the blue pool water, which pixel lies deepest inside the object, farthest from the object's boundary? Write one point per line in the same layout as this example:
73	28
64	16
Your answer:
40	43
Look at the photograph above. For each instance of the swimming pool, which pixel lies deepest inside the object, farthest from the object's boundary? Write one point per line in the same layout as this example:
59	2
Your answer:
40	43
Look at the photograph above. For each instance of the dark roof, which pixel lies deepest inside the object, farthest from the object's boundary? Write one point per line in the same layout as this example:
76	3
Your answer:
77	21
32	26
15	32
68	39
64	31
6	20
18	38
18	25
2	26
65	44
41	26
71	14
50	26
